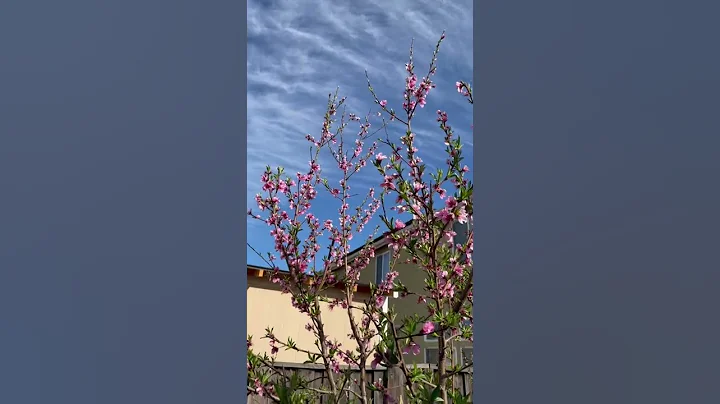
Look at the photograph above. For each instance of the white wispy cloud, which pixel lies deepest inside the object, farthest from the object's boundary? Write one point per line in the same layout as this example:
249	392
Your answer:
299	51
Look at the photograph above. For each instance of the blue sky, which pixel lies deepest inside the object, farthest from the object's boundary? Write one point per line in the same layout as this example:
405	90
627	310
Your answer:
299	51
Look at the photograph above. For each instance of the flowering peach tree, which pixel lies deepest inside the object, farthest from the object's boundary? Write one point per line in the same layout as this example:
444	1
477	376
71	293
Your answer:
437	200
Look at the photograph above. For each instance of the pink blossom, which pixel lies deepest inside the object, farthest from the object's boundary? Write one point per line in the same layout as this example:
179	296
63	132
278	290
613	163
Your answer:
441	192
412	348
449	236
388	183
383	103
462	216
442	116
428	328
259	390
444	215
377	359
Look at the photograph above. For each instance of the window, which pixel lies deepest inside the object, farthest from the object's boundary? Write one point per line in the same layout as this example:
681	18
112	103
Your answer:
461	233
466	356
382	267
431	355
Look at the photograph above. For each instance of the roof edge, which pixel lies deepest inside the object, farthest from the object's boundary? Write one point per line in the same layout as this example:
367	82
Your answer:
255	271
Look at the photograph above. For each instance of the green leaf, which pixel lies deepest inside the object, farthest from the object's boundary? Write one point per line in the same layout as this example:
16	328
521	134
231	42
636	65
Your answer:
435	396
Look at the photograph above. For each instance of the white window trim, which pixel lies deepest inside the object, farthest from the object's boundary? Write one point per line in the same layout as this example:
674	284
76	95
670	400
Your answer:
377	262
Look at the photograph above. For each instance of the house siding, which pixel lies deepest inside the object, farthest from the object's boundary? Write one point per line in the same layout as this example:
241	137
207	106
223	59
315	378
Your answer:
414	279
268	307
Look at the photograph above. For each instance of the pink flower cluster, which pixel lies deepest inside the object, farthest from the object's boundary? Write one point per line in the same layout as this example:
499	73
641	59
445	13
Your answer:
454	211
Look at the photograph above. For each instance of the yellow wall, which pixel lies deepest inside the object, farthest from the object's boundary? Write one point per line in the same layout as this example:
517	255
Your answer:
367	275
267	307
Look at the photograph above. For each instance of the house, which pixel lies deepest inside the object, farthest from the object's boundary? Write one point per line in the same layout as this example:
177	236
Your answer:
268	307
408	274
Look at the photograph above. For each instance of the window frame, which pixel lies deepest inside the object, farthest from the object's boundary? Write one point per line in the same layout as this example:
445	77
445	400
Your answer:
379	276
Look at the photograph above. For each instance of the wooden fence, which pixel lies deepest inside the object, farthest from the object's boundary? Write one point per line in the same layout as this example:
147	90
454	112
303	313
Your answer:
393	380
